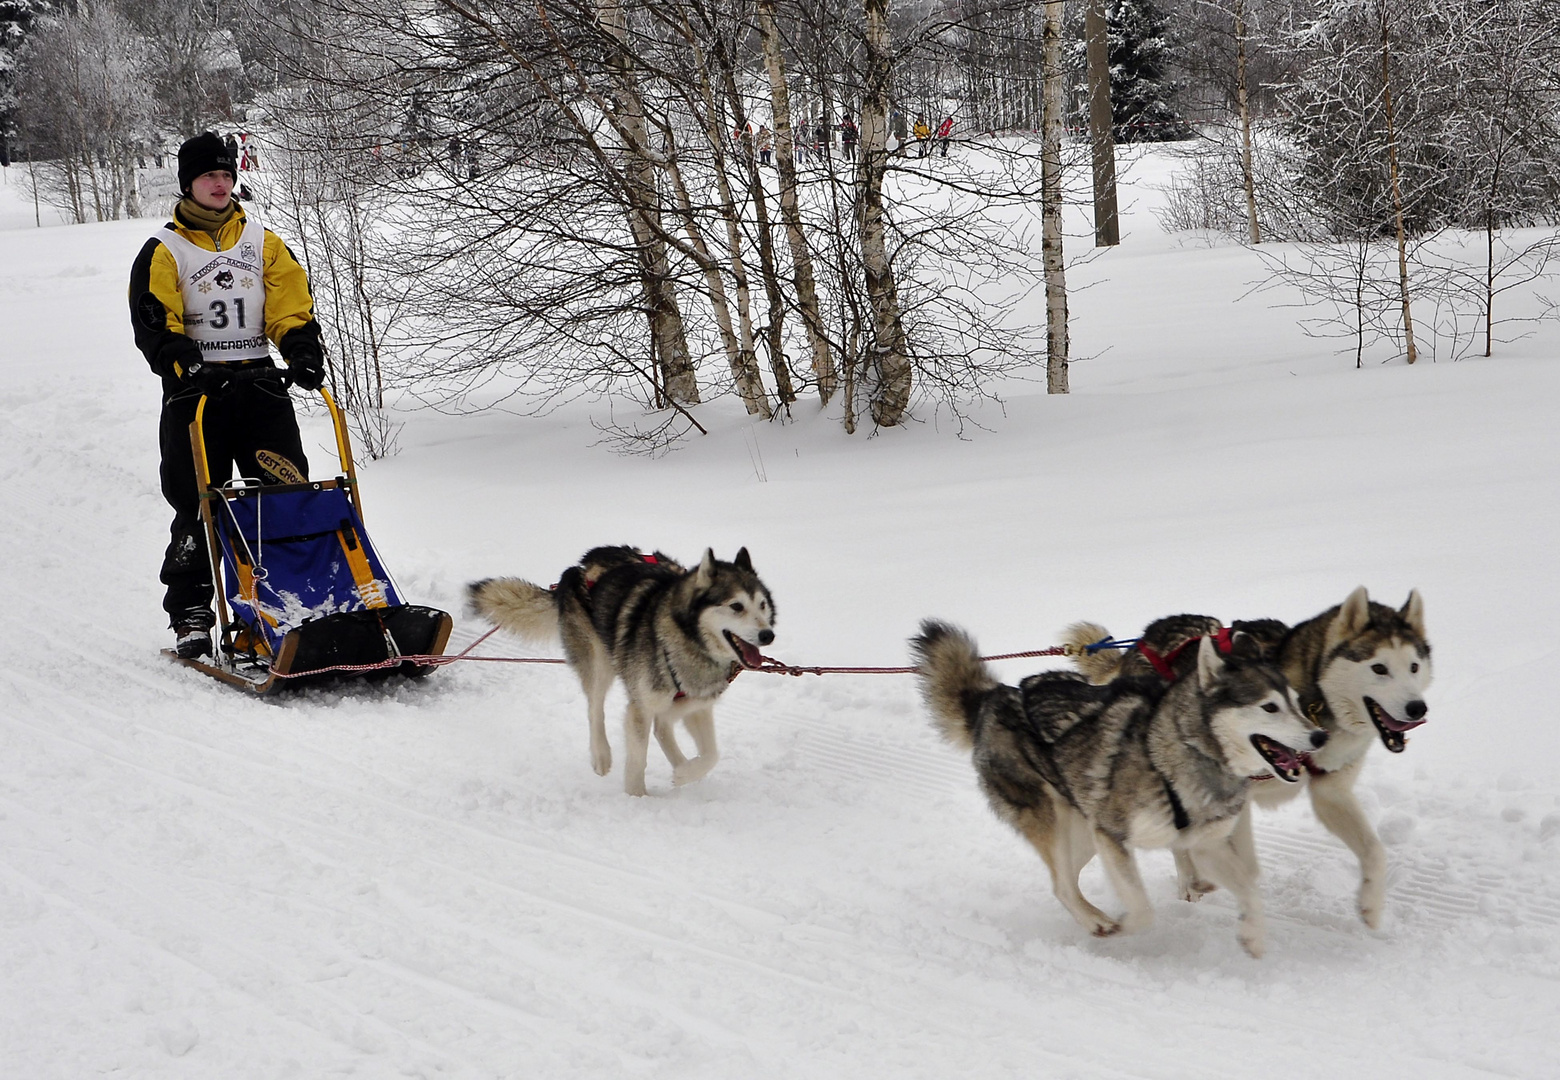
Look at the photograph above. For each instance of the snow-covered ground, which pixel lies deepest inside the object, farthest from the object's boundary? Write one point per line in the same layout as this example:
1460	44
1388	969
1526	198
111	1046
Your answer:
427	880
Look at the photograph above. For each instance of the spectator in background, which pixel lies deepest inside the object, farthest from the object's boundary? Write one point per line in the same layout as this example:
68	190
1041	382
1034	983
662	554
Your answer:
944	132
848	136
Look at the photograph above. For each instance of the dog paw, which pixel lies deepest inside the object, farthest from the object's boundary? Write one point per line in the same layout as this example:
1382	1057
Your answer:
601	759
634	787
1106	928
1371	902
1193	891
1252	933
1136	922
689	771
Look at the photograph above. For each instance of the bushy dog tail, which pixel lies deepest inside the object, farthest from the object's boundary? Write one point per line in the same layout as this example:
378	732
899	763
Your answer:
954	679
528	611
1099	667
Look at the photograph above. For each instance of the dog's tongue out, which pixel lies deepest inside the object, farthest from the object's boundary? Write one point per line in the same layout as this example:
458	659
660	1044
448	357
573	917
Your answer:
1393	731
1285	758
749	653
1285	763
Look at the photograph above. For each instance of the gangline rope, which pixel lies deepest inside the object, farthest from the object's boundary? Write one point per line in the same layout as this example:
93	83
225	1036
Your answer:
769	665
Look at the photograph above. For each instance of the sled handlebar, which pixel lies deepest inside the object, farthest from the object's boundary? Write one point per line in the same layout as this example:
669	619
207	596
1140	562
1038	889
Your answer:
283	379
263	374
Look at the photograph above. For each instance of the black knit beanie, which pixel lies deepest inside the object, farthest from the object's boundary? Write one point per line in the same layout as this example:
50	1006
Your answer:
203	154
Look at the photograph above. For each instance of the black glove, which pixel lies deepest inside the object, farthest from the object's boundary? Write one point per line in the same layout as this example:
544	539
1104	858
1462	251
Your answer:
176	356
213	380
305	358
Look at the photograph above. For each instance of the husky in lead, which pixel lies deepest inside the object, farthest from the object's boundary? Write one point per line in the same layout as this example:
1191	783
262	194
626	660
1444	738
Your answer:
1360	670
1078	768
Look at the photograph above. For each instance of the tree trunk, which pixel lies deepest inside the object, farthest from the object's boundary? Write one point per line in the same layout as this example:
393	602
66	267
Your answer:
890	354
669	340
1107	225
790	212
1248	179
1397	187
766	250
738	340
739	349
1489	279
1056	342
744	364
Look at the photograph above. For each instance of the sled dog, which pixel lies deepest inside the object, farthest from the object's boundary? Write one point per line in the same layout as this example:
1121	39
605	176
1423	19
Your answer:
1078	768
676	637
1359	669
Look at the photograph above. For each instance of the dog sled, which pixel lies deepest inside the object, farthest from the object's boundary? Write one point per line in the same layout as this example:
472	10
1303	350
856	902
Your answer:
301	594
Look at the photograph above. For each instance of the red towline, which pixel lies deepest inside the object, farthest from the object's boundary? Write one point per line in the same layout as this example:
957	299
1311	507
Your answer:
770	665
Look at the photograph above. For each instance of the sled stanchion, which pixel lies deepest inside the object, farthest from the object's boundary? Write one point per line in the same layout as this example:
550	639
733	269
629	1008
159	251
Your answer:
344	450
207	514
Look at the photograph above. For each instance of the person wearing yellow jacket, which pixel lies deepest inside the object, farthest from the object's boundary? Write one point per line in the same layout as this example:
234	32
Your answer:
209	293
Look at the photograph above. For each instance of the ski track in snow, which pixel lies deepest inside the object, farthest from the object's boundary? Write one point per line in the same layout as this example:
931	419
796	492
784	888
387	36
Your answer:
425	878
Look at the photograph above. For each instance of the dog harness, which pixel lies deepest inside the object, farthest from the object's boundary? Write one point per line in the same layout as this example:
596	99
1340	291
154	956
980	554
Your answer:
590	582
731	676
1165	664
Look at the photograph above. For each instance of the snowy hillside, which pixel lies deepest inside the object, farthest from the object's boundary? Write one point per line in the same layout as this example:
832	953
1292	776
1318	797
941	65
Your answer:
428	880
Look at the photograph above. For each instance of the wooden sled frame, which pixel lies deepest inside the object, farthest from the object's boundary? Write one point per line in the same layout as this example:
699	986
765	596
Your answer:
252	673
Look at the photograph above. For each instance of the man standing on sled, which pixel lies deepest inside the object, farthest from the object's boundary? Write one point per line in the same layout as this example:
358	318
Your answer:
208	293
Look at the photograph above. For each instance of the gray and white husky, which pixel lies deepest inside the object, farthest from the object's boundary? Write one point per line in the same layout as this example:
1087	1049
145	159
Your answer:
1078	768
676	637
1359	669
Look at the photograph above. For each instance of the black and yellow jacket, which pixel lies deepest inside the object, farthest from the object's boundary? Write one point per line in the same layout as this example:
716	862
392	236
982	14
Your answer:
157	302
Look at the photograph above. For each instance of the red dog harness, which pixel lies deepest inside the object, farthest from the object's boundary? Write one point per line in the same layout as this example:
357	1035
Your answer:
1165	665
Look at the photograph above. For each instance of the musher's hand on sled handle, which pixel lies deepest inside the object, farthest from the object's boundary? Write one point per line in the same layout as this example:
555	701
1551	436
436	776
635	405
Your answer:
215	380
305	356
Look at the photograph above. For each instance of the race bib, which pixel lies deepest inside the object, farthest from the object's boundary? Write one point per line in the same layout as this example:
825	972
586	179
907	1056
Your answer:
224	294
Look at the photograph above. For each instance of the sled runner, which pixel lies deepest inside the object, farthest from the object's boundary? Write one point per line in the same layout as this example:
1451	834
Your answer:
300	590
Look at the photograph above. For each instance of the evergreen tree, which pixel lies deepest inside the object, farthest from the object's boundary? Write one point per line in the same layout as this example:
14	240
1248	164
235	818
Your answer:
16	18
1141	87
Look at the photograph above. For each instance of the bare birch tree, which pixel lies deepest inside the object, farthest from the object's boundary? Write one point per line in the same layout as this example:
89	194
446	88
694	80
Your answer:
786	140
628	119
1243	109
890	356
1056	335
1411	349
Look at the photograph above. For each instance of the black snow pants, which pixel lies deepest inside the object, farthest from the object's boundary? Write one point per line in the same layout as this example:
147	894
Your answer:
251	418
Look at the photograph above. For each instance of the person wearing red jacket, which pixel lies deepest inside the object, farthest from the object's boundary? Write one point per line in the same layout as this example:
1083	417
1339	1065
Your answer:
209	293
